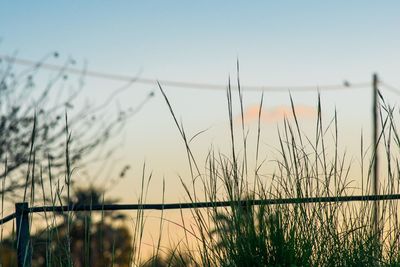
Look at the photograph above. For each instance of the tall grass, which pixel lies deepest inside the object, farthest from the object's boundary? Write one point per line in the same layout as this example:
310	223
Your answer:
70	238
312	234
300	234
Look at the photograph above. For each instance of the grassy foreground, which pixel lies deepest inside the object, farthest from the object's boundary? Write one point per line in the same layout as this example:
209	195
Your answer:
317	234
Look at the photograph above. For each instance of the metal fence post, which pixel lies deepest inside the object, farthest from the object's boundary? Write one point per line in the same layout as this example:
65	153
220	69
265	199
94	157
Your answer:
24	247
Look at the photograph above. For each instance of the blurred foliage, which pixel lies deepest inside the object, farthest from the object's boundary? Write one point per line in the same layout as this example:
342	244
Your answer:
103	242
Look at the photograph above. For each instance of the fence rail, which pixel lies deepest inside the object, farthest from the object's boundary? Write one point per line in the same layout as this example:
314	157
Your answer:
171	206
22	210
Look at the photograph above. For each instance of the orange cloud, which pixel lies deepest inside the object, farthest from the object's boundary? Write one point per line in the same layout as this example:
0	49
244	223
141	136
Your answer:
276	114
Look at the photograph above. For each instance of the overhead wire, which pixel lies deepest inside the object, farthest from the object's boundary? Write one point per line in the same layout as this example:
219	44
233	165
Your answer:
389	87
181	84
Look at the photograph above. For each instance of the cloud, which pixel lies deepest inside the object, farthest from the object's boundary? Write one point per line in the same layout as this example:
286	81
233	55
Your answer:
276	114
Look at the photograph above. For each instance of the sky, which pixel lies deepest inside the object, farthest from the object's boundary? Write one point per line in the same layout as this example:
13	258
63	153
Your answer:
277	43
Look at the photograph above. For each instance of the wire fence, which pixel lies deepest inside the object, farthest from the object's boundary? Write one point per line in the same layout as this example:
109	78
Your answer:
22	211
195	205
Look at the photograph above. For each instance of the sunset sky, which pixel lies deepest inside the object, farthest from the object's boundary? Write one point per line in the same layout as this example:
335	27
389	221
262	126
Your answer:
277	43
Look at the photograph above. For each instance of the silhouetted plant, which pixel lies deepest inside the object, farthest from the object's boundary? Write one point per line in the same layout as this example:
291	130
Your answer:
92	242
26	103
173	258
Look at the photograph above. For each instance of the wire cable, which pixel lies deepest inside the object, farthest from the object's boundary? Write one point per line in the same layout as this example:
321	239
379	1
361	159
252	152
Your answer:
198	205
192	85
389	87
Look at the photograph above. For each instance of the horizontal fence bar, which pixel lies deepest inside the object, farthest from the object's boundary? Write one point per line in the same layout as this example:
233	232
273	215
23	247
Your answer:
171	206
8	218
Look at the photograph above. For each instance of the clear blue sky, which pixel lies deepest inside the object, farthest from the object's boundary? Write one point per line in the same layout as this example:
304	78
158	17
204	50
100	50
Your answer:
277	43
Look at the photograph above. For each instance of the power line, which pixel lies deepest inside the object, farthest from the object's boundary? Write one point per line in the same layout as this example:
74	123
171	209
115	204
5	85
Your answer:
193	85
389	87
